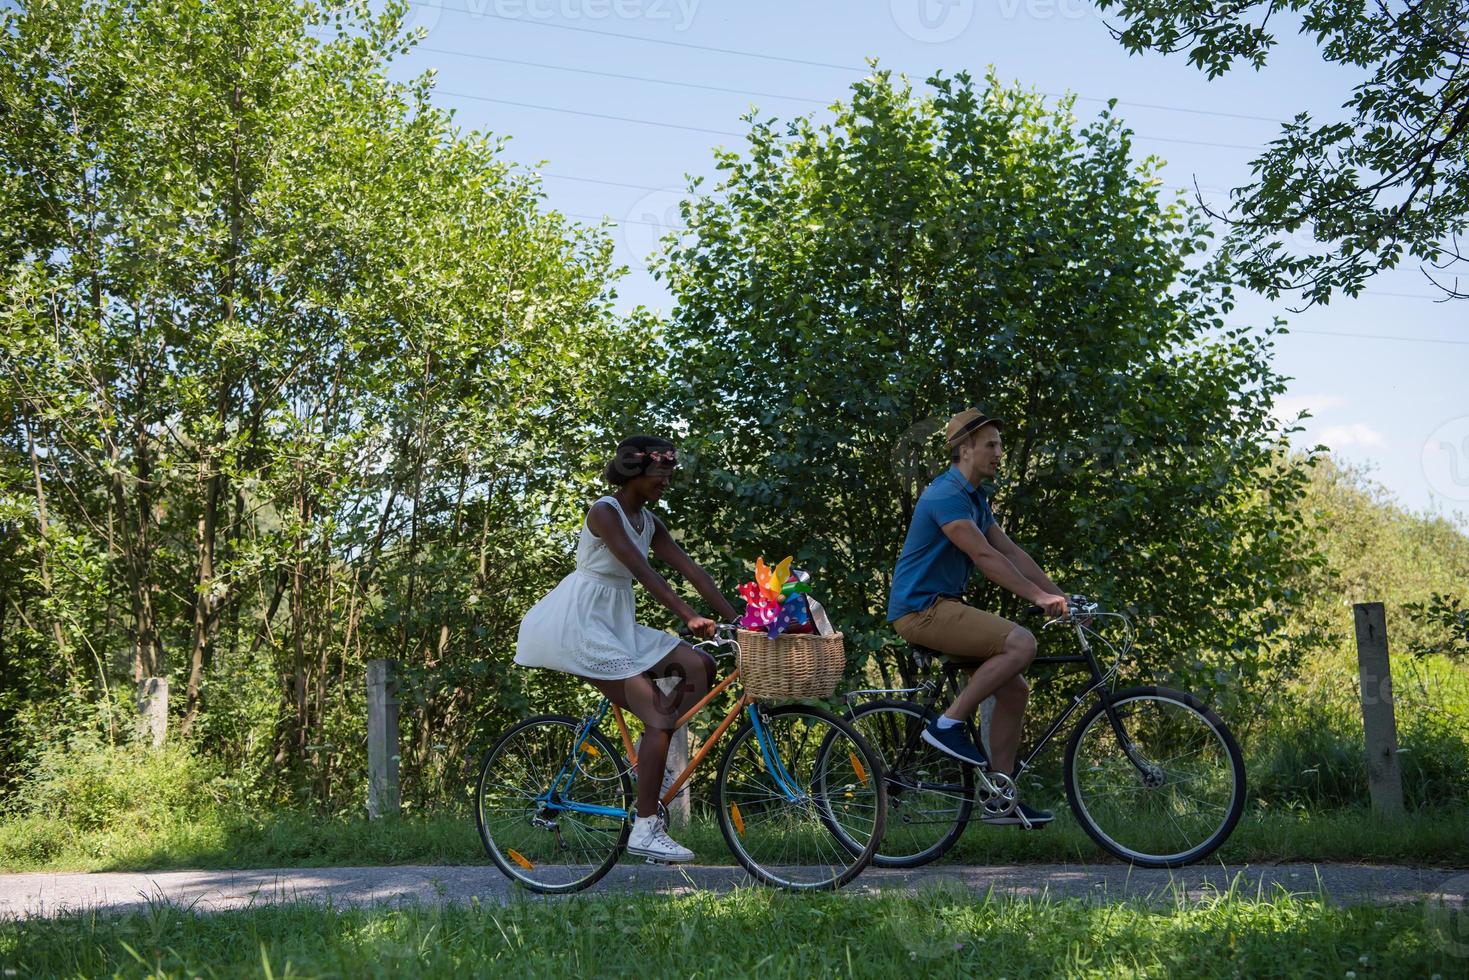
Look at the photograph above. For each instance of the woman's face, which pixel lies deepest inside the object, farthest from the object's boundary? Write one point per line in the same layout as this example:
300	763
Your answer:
653	483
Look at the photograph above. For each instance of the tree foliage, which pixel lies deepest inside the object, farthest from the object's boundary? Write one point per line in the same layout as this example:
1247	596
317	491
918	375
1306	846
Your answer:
1387	181
296	374
848	285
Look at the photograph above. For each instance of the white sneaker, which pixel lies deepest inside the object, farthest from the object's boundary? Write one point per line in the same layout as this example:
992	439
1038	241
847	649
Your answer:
650	839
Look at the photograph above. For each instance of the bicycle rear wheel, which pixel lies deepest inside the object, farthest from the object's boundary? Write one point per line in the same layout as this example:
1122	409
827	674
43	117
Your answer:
526	828
1179	795
783	780
930	794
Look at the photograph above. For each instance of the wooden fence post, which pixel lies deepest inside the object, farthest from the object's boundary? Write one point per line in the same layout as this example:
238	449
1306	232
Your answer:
1384	774
382	740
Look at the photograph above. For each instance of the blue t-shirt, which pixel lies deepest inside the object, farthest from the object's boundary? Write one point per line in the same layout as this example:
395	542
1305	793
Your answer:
930	565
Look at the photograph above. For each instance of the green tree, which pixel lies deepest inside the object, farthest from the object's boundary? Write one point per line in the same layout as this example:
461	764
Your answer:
850	284
1387	181
297	374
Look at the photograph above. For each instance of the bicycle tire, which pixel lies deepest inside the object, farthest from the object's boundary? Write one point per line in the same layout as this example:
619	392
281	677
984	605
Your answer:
814	747
1139	818
513	815
915	798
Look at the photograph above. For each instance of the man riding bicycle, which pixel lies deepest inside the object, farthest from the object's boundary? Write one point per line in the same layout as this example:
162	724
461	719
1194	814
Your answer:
953	531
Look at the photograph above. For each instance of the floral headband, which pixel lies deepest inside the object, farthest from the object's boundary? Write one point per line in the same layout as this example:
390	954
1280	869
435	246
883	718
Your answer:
656	457
635	462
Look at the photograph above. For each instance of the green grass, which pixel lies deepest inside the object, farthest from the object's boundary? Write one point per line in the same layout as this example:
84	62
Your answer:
744	933
218	838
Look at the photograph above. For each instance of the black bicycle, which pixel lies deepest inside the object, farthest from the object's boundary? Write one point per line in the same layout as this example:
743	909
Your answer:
1152	774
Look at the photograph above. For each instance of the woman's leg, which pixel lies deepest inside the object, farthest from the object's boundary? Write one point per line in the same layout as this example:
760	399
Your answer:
659	712
639	696
682	677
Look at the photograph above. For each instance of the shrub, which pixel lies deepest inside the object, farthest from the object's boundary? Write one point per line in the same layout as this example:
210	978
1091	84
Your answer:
89	786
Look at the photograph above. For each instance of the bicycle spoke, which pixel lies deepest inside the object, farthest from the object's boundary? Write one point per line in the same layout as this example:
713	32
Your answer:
792	842
546	847
1181	800
930	795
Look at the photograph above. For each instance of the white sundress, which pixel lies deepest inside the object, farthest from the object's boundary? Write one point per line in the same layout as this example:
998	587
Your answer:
586	625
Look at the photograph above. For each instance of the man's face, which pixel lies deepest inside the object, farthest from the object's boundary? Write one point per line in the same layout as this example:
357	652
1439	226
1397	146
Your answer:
985	451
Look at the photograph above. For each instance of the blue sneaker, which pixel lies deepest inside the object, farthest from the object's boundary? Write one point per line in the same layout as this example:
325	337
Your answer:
952	741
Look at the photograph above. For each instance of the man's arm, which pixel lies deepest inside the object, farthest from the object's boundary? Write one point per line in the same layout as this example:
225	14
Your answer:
1023	563
999	569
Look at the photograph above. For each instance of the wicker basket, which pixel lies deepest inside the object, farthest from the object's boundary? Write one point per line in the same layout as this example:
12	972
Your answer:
791	666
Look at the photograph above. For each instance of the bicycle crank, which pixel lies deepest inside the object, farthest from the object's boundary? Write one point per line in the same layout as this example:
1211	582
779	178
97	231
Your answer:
998	796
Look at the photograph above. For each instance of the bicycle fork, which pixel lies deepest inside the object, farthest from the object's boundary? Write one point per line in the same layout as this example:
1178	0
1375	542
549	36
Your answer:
773	764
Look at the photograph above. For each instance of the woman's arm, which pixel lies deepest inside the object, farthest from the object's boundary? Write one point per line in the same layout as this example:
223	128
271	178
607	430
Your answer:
668	551
607	525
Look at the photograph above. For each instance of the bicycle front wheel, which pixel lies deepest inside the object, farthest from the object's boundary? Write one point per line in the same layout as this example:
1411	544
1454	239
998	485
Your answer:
553	812
786	776
930	794
1167	790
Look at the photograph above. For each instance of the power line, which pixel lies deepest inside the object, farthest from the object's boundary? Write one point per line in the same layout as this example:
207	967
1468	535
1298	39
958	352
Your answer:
768	57
1378	336
593	115
633	37
726	132
630	78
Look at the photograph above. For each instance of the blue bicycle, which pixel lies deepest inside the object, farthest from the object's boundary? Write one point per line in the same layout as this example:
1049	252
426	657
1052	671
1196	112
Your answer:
799	794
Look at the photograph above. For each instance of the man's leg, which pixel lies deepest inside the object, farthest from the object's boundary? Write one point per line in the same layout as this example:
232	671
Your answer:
1016	654
994	649
1006	722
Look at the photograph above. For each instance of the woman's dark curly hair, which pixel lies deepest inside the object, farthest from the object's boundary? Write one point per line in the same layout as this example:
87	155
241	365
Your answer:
632	458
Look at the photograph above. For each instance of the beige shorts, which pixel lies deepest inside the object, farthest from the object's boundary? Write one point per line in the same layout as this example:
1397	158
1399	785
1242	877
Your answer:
955	630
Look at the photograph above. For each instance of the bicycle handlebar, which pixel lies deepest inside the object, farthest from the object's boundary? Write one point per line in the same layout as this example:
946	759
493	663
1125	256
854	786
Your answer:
1080	607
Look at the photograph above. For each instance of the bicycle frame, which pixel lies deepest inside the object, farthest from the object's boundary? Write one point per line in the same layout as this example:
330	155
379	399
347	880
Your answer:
553	798
1100	683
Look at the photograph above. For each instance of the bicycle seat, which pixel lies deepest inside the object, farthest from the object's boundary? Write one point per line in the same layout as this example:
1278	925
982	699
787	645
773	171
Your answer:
923	656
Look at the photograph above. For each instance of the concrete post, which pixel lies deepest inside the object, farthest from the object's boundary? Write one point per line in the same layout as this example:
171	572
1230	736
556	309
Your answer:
153	709
1384	775
678	759
986	711
382	740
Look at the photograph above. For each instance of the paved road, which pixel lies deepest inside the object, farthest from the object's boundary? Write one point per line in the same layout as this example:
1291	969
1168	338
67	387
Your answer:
25	895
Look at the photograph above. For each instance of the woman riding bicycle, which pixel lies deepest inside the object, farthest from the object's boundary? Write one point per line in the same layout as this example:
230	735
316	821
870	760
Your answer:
586	625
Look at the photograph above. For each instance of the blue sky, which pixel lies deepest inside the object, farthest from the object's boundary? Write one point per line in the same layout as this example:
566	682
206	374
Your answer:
1383	374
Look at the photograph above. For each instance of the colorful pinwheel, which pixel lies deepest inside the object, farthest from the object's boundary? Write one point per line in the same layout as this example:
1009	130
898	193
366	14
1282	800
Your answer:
776	601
